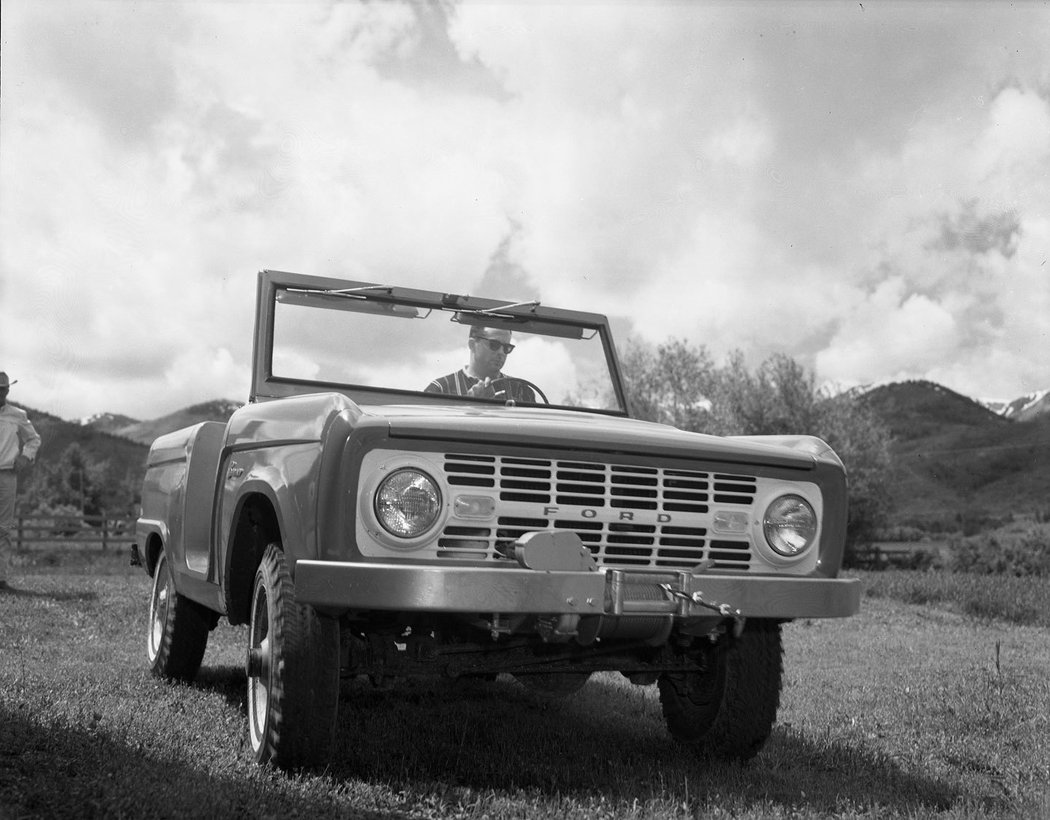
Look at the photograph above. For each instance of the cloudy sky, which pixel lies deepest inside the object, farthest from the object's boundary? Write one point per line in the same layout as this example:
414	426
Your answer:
863	186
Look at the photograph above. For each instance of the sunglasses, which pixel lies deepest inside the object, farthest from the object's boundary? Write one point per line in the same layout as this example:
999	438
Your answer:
495	345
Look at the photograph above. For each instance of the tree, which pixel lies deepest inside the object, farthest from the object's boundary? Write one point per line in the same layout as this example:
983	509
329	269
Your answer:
78	482
678	384
671	385
779	398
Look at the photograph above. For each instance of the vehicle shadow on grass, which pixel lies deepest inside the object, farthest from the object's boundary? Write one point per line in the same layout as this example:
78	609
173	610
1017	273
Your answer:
61	771
228	681
608	741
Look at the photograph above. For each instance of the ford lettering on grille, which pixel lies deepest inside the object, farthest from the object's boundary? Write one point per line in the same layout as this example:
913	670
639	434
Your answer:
626	514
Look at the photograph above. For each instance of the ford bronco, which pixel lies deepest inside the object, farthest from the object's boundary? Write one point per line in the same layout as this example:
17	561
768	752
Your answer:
360	523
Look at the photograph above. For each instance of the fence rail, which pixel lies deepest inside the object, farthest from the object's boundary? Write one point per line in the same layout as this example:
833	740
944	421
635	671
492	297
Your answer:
894	554
107	530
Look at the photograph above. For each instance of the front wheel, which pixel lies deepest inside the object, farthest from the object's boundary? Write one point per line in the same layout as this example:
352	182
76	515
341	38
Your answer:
728	710
178	629
292	670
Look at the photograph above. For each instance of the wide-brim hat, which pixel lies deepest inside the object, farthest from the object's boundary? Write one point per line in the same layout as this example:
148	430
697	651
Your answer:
6	382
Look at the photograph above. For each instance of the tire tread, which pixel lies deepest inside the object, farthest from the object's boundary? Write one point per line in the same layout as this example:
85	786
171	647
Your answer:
304	698
734	717
185	637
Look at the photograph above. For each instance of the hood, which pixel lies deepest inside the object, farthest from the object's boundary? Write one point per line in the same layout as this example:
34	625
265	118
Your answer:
581	430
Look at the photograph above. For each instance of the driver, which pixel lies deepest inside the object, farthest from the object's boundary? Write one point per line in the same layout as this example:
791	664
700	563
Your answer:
483	377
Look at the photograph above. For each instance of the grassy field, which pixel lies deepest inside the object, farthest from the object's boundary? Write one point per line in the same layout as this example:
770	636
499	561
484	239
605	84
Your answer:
915	708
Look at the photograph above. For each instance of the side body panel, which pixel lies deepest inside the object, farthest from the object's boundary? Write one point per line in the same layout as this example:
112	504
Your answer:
178	495
201	480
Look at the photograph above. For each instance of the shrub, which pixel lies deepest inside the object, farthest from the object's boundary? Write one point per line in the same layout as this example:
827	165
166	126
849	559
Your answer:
56	519
1006	552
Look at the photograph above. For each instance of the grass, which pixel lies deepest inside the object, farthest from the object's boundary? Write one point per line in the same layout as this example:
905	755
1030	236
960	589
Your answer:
907	710
1018	600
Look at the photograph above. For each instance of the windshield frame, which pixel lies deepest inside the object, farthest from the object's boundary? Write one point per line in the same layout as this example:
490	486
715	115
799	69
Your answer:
371	297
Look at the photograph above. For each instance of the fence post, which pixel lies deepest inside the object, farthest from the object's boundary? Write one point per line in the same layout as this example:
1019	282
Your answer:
79	530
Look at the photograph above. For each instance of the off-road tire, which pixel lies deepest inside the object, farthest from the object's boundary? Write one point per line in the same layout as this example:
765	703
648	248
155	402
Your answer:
178	629
292	671
729	709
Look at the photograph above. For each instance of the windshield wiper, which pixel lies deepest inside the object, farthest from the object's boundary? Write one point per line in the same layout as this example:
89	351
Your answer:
351	299
509	306
452	301
349	292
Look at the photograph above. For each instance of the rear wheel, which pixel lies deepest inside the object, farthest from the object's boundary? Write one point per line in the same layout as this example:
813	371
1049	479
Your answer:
178	628
292	670
728	710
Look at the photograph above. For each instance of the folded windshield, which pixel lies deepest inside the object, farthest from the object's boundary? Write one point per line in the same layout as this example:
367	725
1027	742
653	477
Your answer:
434	350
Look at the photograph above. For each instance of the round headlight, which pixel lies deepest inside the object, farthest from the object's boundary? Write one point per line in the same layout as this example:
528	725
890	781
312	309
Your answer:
790	525
407	503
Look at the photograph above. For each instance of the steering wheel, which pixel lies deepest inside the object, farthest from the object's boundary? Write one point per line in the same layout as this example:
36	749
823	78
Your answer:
507	381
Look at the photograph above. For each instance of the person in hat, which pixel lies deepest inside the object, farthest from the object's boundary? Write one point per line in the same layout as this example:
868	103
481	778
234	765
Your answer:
483	376
19	443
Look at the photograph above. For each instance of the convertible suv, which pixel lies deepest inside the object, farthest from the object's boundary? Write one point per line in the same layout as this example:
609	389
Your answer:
360	524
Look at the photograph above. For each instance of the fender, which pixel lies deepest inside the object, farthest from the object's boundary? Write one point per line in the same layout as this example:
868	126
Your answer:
272	502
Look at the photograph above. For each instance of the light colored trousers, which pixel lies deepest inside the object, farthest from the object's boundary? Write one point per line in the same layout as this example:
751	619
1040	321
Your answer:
8	487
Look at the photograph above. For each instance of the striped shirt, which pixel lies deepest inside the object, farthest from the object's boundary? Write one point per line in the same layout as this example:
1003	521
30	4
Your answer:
458	383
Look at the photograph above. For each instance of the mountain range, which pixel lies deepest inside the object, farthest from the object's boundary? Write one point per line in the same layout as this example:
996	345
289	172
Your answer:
960	463
144	432
1023	408
956	459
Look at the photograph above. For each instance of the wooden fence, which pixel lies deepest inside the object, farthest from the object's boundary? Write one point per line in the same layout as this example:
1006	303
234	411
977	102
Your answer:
903	555
74	530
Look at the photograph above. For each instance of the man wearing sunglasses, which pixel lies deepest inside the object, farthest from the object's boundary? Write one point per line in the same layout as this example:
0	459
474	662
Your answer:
483	376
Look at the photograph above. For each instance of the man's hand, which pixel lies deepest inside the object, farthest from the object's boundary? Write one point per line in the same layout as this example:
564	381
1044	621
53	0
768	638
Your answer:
482	390
22	463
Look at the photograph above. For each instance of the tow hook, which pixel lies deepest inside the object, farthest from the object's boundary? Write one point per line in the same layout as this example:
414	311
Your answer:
697	599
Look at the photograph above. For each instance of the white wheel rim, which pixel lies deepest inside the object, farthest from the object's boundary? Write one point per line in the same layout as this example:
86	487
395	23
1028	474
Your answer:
259	684
158	607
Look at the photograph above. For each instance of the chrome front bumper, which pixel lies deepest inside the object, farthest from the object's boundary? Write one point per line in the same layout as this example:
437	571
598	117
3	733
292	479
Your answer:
342	586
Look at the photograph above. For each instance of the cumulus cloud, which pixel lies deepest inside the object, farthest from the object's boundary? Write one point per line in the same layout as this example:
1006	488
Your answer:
965	250
757	190
909	330
864	189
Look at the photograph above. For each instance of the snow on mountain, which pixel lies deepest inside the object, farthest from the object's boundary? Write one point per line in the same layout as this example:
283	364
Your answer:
1022	408
997	406
107	422
1027	407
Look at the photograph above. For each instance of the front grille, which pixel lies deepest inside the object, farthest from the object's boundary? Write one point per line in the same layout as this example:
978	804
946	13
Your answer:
627	515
